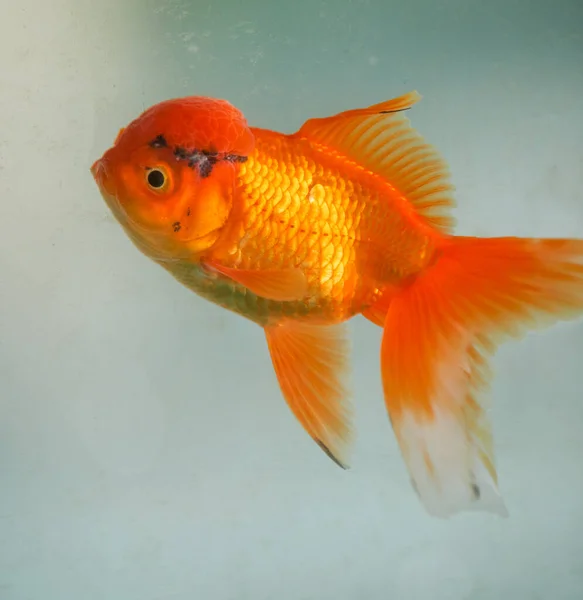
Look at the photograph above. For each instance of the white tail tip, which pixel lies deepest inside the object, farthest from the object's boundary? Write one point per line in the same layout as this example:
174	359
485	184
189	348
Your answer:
447	465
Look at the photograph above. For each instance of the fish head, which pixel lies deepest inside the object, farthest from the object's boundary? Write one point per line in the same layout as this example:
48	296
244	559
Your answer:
170	176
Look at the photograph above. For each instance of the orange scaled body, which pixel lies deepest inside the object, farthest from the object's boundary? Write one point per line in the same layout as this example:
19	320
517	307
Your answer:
349	215
298	206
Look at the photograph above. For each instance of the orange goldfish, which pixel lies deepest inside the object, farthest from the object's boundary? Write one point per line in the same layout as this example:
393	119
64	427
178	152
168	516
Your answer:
349	215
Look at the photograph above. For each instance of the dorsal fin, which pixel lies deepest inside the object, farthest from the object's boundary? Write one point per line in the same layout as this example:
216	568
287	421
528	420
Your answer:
380	139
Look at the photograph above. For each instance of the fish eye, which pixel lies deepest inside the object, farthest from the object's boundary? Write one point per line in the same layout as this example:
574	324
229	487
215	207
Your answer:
156	178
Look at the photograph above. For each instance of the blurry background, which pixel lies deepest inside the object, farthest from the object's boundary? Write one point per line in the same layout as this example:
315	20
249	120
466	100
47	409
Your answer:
145	450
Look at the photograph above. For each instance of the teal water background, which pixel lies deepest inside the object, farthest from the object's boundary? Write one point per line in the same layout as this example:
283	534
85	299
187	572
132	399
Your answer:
145	450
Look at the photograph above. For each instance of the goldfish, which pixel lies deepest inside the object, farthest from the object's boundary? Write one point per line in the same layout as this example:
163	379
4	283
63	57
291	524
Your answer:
349	215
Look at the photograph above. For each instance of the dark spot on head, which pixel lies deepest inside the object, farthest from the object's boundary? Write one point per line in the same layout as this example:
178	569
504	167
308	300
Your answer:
188	212
236	158
180	153
205	163
176	226
159	142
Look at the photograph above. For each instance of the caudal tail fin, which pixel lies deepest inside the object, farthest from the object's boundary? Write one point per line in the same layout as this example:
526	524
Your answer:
439	332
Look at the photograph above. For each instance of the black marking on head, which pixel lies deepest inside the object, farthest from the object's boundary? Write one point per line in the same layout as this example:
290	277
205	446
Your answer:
329	454
205	163
176	226
188	212
180	153
236	158
204	160
159	142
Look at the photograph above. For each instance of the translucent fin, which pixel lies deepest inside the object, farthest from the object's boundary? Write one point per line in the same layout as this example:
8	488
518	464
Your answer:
381	140
439	332
280	285
310	363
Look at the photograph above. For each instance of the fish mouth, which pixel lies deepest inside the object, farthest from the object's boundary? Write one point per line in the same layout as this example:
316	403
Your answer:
104	183
99	172
96	168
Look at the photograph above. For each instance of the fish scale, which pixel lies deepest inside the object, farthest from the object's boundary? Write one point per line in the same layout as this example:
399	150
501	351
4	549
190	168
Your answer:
292	210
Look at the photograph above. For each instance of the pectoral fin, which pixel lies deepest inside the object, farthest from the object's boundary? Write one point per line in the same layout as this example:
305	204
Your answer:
310	362
274	284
